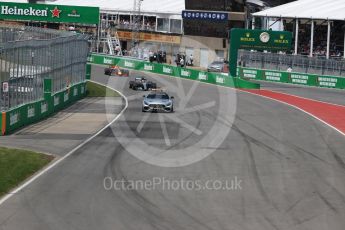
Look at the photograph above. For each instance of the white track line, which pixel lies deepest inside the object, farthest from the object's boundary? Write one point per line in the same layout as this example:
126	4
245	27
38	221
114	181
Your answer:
307	98
21	187
312	115
55	163
241	90
301	86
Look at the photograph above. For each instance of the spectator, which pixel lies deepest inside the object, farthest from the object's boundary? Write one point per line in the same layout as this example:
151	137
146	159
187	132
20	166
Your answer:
182	62
151	56
191	59
117	49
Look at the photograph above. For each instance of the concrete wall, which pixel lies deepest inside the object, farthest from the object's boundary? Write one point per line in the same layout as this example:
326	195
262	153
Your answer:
198	43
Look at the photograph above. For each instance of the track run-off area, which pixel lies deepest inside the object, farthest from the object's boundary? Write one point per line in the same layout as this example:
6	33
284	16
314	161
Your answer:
225	159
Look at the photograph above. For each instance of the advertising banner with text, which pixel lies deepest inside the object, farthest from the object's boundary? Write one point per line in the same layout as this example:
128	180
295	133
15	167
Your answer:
49	13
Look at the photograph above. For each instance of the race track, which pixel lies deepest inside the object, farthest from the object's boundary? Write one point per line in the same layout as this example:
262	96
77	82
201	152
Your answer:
336	96
290	168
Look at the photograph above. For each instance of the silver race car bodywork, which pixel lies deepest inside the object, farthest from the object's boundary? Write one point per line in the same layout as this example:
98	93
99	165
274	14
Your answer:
158	101
141	83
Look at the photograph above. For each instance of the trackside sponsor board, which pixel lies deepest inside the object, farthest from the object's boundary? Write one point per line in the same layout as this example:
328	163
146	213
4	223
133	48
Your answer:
220	79
108	61
327	82
185	73
273	76
75	92
129	64
256	40
31	112
249	73
167	70
202	76
148	67
301	79
14	118
56	100
49	13
44	107
65	97
90	59
296	78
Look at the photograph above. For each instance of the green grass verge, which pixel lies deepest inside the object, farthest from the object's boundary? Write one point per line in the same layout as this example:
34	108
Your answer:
17	165
96	90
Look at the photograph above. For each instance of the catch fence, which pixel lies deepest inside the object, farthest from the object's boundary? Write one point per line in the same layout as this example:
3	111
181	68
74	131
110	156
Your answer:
29	55
293	63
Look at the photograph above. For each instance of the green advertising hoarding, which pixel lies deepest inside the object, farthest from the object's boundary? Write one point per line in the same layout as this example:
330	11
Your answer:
256	40
292	78
261	39
35	111
49	13
173	71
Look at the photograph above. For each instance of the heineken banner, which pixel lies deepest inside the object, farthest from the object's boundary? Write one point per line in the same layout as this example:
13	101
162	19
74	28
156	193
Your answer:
49	13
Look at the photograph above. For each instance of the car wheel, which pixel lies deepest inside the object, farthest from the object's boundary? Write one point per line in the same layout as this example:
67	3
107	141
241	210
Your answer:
142	110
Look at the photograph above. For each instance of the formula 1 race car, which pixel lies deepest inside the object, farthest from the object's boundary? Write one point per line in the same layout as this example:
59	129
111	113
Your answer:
141	83
158	101
116	71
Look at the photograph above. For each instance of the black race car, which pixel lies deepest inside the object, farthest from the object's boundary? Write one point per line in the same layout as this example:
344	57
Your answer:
141	83
116	71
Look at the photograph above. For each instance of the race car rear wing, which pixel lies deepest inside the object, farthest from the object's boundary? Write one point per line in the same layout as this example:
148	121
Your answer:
159	89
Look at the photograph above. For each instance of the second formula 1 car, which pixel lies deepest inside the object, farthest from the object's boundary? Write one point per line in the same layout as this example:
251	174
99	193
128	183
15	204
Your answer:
116	71
141	83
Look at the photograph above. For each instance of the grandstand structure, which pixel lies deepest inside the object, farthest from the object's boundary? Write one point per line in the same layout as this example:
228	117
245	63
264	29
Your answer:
318	27
162	28
159	28
316	18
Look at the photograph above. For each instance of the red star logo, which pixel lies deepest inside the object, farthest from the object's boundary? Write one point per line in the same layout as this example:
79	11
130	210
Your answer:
56	12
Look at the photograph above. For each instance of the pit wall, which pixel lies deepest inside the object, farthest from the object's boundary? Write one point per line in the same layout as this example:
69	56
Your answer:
292	78
33	112
173	71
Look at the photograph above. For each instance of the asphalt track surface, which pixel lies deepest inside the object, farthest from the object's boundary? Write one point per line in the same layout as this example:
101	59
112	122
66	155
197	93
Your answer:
66	129
291	166
335	96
